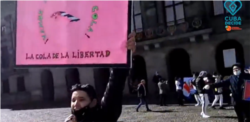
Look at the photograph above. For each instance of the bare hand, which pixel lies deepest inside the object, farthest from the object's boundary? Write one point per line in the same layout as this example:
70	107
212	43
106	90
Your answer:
131	44
70	118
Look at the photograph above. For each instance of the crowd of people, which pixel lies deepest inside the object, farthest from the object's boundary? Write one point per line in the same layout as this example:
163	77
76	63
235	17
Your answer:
163	90
86	108
202	83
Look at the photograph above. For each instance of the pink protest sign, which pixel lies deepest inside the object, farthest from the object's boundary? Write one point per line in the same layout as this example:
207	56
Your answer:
79	33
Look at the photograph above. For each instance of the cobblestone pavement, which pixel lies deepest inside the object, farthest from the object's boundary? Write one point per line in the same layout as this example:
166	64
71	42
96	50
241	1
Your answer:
170	113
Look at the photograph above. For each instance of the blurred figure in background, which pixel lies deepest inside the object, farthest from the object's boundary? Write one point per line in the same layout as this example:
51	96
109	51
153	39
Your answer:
142	94
196	95
179	86
156	79
247	70
163	92
236	83
200	83
166	82
217	92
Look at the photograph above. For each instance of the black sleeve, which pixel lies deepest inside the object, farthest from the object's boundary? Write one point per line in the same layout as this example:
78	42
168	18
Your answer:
139	89
199	85
224	83
111	103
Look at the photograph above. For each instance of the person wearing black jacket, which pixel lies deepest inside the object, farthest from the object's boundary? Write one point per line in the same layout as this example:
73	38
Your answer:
179	89
142	94
200	83
236	83
157	77
84	104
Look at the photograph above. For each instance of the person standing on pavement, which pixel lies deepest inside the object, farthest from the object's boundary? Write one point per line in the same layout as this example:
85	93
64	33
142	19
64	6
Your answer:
196	95
142	94
156	80
218	92
236	83
179	87
166	82
163	92
200	83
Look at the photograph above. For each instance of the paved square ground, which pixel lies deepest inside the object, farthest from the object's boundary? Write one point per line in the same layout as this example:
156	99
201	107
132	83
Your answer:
169	113
177	114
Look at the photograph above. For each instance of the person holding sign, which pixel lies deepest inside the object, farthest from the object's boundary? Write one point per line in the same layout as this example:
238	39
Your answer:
236	83
84	105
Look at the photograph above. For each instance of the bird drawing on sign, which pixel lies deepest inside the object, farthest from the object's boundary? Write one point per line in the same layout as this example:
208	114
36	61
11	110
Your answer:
69	16
64	14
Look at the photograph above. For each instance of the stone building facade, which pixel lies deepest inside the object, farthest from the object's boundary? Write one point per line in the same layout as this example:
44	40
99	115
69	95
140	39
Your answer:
190	36
172	38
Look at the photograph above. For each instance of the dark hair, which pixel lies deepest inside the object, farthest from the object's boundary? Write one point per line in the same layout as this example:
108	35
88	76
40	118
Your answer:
238	65
176	78
86	88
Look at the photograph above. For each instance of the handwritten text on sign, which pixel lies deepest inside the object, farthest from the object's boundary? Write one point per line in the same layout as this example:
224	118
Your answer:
71	32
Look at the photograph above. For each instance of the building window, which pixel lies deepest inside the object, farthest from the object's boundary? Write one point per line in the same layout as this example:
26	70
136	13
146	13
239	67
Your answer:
174	12
5	57
137	16
219	8
151	17
20	84
5	86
